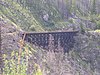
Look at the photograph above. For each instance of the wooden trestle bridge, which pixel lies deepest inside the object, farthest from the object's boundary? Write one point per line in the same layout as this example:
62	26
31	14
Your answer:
55	40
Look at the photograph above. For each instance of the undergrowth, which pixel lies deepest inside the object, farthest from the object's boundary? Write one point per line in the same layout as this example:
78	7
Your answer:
12	67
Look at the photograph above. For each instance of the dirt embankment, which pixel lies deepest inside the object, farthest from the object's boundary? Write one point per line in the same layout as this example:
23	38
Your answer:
9	37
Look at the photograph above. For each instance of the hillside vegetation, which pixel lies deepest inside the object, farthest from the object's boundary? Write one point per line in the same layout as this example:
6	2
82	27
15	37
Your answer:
42	15
18	57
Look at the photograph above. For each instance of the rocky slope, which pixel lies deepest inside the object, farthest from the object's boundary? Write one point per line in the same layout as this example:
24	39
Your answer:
9	37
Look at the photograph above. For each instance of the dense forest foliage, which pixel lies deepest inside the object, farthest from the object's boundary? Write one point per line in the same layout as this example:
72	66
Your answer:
52	14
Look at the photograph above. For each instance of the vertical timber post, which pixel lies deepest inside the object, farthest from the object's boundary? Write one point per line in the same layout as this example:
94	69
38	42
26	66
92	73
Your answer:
51	42
1	56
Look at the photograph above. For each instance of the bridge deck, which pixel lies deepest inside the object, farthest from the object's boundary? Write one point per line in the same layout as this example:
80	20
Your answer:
51	32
